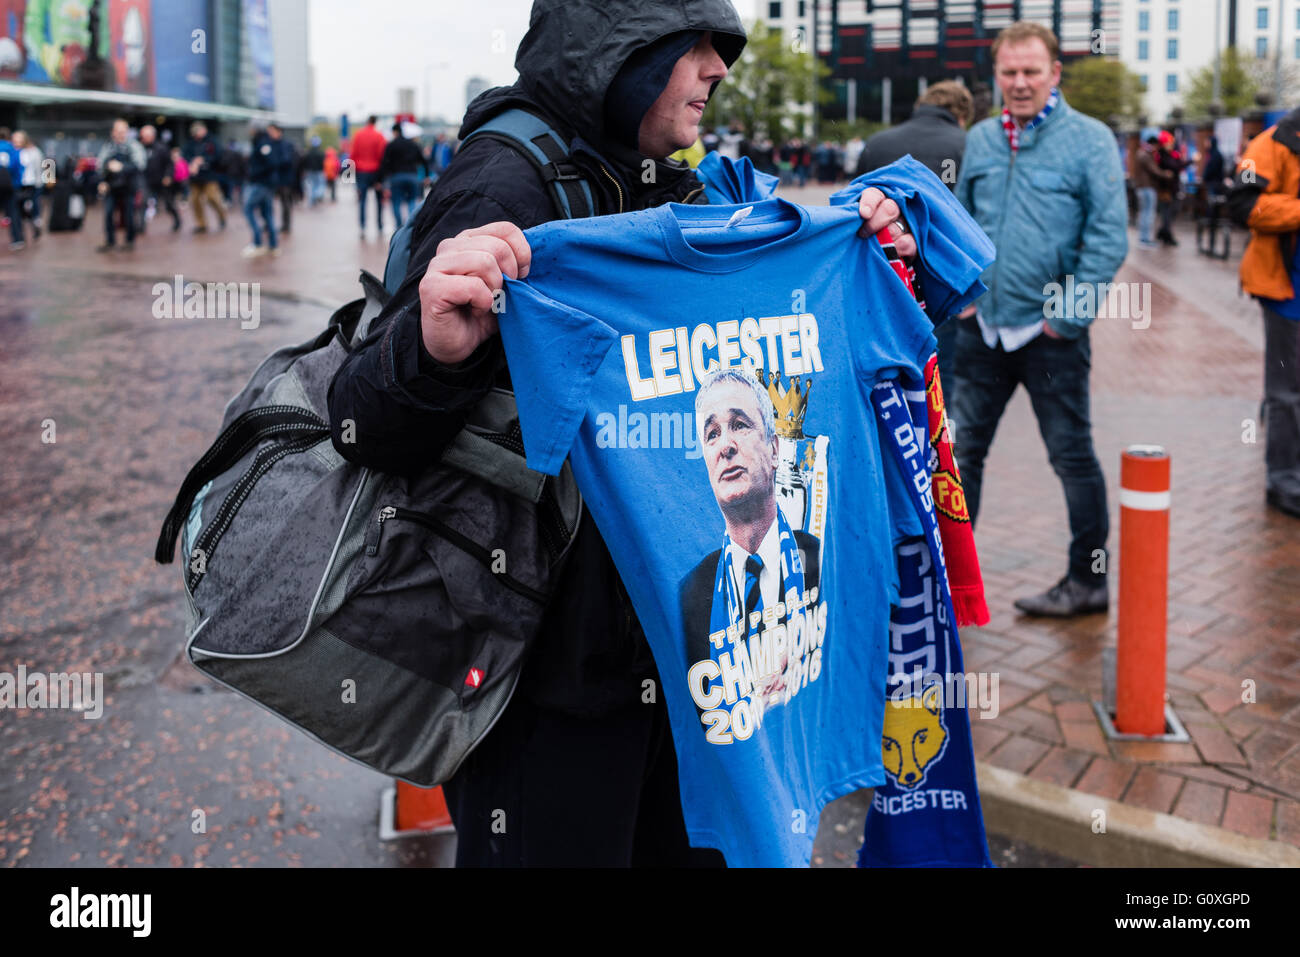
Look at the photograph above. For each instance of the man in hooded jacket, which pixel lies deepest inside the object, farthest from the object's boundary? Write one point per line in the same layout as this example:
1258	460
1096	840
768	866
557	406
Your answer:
580	768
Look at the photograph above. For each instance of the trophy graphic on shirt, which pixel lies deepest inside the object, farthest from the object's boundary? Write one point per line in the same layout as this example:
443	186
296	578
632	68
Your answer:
801	487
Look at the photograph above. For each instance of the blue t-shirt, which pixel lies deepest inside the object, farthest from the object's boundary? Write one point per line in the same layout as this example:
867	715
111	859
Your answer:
707	369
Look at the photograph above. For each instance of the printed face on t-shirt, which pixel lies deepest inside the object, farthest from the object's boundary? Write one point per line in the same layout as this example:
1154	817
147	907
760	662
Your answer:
740	455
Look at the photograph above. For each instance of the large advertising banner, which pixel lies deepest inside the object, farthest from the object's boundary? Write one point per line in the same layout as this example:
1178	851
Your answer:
131	45
257	27
139	46
182	49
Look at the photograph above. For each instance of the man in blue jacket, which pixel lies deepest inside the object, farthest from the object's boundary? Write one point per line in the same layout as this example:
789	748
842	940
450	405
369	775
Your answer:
1045	183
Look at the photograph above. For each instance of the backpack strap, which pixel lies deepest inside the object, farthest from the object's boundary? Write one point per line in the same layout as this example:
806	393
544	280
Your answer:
534	139
538	142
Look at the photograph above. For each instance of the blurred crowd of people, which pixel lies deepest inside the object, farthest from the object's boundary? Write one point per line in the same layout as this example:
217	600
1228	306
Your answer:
140	175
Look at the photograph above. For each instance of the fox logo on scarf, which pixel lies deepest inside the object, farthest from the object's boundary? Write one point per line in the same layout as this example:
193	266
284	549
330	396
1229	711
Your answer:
928	812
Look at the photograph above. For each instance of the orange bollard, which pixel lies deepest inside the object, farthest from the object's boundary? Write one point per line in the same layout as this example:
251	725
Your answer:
421	809
1143	590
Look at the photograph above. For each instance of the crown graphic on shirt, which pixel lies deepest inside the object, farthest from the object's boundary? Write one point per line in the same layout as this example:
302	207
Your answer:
791	404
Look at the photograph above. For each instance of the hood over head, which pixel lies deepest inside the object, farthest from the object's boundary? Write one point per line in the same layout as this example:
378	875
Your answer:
574	49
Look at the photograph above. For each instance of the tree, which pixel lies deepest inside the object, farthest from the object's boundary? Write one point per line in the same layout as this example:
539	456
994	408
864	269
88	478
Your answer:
1241	77
1103	88
1237	86
765	89
328	133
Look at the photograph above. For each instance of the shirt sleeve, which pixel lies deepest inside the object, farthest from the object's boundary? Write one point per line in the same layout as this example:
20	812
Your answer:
729	182
553	352
952	251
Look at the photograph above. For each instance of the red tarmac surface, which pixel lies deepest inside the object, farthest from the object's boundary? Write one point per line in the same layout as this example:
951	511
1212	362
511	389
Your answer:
136	399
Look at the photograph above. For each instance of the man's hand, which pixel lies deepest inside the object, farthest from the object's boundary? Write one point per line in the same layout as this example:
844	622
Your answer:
880	213
459	288
103	189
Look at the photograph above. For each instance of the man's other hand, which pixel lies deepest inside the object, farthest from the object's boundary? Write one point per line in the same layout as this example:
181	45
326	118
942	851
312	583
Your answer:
459	289
881	213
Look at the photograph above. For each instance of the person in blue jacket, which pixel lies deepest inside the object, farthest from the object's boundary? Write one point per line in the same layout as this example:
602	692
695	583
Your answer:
1045	183
266	174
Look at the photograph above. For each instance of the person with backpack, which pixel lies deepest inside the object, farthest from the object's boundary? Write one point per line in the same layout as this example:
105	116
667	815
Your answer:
580	767
405	169
121	163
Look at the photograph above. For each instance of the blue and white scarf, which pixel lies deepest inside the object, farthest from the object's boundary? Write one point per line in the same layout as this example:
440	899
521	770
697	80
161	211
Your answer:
927	814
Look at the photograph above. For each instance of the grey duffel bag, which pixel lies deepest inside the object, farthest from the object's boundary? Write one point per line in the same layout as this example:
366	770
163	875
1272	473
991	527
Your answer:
386	616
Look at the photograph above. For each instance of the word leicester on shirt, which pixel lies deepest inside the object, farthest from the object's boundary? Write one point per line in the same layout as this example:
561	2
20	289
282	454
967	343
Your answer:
681	357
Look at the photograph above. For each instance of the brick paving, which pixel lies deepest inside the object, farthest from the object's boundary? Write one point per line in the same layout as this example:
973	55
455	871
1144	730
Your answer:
1192	382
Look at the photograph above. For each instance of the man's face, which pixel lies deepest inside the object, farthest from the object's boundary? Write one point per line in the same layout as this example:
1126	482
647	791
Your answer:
673	122
147	135
741	460
1026	75
274	132
119	132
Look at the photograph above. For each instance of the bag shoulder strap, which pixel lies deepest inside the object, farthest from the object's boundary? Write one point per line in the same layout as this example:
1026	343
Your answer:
537	141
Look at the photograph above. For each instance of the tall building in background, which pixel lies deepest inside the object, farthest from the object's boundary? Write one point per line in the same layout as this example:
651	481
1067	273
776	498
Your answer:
474	86
883	53
294	90
1167	41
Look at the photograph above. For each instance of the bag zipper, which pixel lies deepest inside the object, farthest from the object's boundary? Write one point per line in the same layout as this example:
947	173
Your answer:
484	557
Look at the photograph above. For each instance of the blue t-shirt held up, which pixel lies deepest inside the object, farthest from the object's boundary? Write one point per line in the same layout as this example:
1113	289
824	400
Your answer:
708	369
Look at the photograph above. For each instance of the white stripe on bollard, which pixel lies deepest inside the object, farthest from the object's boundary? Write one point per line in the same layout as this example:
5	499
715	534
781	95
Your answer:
1144	501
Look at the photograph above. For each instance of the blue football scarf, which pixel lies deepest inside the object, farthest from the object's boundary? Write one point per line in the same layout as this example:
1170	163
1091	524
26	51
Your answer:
927	814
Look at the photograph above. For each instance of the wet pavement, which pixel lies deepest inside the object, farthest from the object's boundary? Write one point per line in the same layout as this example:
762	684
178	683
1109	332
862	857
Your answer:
133	400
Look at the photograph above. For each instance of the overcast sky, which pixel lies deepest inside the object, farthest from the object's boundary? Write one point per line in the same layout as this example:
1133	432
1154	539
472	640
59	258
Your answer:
363	52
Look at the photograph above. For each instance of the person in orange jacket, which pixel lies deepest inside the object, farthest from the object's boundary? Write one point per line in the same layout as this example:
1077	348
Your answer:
1264	199
332	172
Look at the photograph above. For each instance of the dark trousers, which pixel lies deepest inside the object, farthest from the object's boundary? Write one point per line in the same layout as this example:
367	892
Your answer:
545	789
123	199
286	197
1055	374
367	182
1282	405
9	207
165	198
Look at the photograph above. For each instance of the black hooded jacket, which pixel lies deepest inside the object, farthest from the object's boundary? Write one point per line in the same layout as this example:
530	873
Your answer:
591	656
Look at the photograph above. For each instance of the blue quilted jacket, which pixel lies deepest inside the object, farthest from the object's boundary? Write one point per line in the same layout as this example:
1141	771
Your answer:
1057	209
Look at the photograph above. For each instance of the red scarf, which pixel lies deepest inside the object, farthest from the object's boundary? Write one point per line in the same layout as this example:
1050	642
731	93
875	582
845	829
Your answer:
964	578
